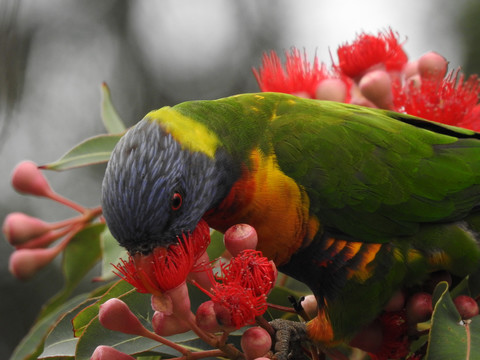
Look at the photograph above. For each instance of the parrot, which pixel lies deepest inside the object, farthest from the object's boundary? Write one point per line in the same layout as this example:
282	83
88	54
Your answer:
354	202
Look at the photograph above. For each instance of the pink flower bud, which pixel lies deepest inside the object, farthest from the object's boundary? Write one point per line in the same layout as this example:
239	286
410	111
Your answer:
180	300
331	89
28	179
25	263
415	81
362	101
255	342
175	301
103	352
376	86
466	306
227	323
115	315
167	325
240	237
410	69
19	228
206	317
162	303
396	302
202	272
419	307
302	94
432	66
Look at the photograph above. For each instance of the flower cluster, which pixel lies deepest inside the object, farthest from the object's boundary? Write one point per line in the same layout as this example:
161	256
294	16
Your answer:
238	293
374	71
31	236
240	290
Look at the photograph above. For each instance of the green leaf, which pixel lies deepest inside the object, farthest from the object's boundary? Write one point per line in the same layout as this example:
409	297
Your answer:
462	288
81	254
112	121
61	342
32	344
111	254
95	334
450	336
84	317
216	247
94	150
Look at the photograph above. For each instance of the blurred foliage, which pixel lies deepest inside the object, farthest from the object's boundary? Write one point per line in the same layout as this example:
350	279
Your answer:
469	28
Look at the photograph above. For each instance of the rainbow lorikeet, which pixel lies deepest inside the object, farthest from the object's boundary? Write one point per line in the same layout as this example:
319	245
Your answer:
354	202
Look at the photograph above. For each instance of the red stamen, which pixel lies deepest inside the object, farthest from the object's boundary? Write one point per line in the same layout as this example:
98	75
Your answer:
251	270
165	268
450	101
395	344
368	51
236	306
296	77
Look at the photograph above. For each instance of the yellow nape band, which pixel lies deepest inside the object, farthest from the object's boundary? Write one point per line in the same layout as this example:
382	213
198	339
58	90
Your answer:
191	134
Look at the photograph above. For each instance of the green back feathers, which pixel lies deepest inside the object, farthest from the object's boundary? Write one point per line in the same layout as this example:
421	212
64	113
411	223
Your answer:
369	173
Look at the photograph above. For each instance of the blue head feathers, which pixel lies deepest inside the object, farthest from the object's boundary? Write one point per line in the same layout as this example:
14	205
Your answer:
154	190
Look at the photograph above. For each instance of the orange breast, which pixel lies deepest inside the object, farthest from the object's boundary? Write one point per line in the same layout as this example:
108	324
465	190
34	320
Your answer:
273	203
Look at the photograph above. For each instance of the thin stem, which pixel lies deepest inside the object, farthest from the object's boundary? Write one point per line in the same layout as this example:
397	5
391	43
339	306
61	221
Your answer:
229	350
166	342
205	336
73	231
45	239
222	340
93	212
282	308
469	343
201	355
67	202
266	325
67	224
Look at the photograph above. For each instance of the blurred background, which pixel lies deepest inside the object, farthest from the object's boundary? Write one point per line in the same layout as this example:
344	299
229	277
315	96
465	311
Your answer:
54	54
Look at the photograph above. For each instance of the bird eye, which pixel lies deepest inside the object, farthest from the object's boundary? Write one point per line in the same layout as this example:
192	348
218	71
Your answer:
176	201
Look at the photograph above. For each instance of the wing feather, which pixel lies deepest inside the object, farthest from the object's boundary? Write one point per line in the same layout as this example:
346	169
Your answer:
375	174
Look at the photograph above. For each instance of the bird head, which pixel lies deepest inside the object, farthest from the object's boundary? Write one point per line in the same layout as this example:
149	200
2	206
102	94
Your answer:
155	189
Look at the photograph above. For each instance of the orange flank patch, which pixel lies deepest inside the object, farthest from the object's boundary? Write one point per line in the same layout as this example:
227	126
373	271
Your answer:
272	203
364	254
368	254
439	259
352	249
336	247
320	329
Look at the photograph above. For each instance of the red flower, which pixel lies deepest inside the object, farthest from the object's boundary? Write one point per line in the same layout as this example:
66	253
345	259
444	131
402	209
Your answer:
297	77
368	51
236	306
242	293
165	268
395	344
251	270
451	101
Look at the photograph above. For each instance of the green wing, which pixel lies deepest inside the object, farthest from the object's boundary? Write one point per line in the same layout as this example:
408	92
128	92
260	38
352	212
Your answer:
374	174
